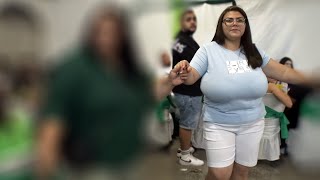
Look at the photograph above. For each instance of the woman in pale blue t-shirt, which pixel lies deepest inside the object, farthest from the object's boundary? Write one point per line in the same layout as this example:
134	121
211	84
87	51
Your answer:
233	72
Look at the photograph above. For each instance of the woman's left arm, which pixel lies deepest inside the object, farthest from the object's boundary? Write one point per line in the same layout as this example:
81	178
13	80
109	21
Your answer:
282	73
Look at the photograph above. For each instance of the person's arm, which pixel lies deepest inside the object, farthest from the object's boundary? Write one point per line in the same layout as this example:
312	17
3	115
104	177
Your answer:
51	128
48	149
183	72
280	95
191	75
164	85
280	72
197	67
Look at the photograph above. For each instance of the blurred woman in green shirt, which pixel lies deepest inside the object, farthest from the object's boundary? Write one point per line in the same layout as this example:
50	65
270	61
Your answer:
96	101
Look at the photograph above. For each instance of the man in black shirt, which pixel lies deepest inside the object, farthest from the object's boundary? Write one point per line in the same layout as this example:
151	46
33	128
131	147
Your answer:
188	97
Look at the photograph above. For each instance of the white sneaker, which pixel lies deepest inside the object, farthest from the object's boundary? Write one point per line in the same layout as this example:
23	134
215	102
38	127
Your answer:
190	160
191	149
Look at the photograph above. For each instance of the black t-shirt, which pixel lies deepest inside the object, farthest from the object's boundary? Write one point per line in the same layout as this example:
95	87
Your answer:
298	93
184	48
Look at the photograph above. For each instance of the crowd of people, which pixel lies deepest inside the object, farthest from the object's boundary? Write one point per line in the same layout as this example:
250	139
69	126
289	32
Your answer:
85	121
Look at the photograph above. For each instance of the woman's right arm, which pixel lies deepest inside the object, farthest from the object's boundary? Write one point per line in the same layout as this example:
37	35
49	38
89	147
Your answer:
280	95
196	68
191	74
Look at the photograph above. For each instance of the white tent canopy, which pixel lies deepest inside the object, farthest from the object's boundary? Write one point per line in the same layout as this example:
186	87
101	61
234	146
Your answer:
281	28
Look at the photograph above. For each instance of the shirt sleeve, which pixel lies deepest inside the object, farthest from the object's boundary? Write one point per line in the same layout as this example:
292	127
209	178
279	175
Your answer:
58	95
265	57
200	61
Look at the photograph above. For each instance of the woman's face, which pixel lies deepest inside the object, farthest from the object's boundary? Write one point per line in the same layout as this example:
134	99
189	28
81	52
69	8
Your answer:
288	64
233	25
107	37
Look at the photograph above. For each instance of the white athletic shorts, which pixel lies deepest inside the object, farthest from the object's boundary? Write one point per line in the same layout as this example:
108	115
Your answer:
226	144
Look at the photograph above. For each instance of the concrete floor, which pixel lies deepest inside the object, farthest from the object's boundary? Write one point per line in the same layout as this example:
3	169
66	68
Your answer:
159	165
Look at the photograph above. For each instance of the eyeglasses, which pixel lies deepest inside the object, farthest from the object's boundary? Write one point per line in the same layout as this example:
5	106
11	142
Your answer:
239	21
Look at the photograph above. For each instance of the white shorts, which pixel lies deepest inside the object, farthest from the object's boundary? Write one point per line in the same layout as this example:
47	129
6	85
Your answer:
228	143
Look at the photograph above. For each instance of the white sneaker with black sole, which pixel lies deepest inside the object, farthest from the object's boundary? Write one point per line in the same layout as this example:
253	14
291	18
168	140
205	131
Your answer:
190	160
191	149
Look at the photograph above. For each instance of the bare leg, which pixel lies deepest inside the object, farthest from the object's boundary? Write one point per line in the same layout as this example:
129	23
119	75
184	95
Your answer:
219	173
240	172
185	138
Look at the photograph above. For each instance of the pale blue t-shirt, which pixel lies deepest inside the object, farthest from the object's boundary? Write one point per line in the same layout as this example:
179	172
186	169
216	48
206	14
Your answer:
232	90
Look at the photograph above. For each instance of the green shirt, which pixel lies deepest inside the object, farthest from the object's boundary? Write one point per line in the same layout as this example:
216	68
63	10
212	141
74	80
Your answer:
310	108
16	141
102	111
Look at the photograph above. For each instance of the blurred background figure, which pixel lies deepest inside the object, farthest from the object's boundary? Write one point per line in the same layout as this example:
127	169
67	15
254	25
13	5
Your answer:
21	78
160	124
96	101
286	87
275	102
184	48
174	111
297	93
16	133
165	63
304	146
95	104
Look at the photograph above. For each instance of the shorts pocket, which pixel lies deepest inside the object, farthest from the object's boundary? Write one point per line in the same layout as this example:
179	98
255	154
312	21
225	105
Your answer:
212	136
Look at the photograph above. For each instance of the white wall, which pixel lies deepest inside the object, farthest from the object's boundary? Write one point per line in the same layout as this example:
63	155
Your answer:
63	21
280	27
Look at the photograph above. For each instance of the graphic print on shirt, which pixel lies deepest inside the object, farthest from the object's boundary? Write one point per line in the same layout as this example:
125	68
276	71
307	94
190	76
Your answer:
178	47
236	67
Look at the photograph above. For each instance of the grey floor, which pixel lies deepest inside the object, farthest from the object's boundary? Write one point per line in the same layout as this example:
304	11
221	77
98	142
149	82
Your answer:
157	165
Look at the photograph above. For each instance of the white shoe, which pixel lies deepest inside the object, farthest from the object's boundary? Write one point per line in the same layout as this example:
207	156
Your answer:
191	149
190	160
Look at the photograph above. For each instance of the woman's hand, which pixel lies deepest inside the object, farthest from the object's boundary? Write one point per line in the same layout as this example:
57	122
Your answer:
180	73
